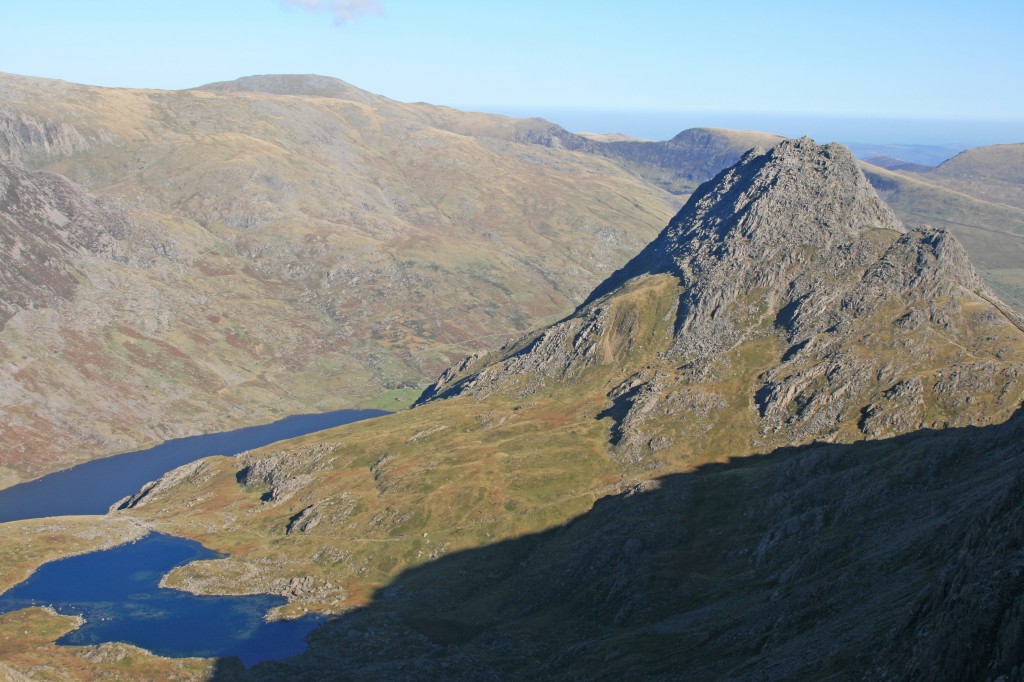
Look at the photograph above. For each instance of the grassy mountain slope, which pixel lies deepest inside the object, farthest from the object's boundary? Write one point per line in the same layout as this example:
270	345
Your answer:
994	173
893	559
589	501
290	252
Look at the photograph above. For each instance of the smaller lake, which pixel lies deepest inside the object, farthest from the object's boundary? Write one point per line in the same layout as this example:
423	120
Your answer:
117	592
91	488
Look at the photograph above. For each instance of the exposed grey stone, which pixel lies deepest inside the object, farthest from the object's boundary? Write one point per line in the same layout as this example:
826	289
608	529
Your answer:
792	242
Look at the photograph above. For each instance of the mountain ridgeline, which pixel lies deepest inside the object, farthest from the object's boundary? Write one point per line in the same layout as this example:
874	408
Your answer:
789	271
287	244
678	165
230	255
782	442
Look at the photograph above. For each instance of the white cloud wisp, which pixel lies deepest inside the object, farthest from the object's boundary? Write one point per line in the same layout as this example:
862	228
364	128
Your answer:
343	11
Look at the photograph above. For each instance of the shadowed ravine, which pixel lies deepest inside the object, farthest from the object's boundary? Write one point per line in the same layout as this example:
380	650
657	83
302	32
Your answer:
890	559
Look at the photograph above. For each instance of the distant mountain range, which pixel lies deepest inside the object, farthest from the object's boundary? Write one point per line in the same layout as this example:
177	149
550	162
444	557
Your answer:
918	154
892	163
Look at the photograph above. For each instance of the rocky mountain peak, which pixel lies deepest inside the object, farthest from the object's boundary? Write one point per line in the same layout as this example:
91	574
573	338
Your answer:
796	193
786	299
795	236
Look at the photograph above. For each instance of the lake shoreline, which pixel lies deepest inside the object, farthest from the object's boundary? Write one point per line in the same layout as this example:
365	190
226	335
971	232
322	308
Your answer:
92	487
7	483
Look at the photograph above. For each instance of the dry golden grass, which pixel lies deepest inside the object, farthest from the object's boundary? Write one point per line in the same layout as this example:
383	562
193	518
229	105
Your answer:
301	254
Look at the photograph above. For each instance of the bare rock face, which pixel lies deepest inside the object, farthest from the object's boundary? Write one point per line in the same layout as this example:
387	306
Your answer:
48	223
22	134
861	324
795	236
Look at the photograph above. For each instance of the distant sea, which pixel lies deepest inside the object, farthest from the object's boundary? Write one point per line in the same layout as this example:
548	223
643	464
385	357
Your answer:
951	134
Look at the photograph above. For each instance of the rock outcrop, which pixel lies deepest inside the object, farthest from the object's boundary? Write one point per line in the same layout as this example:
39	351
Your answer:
24	135
47	224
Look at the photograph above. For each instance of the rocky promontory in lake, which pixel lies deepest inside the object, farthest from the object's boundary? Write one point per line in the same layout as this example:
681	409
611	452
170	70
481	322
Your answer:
781	443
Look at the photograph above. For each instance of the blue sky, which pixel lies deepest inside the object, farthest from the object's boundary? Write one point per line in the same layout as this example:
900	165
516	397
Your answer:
876	59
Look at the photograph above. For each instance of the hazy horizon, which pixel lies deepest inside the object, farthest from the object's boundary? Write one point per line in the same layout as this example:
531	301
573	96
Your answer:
875	60
955	134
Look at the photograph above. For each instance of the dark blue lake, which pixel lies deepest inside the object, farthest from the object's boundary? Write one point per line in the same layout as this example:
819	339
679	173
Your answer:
117	592
91	488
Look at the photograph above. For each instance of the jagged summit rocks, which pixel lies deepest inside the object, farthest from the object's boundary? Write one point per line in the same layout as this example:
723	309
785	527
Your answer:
794	231
786	301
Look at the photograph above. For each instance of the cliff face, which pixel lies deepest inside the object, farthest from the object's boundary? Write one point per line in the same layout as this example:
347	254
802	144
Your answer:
47	225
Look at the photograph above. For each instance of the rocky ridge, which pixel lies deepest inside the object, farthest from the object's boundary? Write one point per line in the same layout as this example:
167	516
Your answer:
791	247
978	194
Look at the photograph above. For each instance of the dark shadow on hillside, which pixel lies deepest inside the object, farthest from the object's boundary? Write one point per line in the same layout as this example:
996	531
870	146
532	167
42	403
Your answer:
894	559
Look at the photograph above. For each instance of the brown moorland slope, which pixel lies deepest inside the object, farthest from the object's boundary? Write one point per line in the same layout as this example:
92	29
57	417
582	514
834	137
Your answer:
305	249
